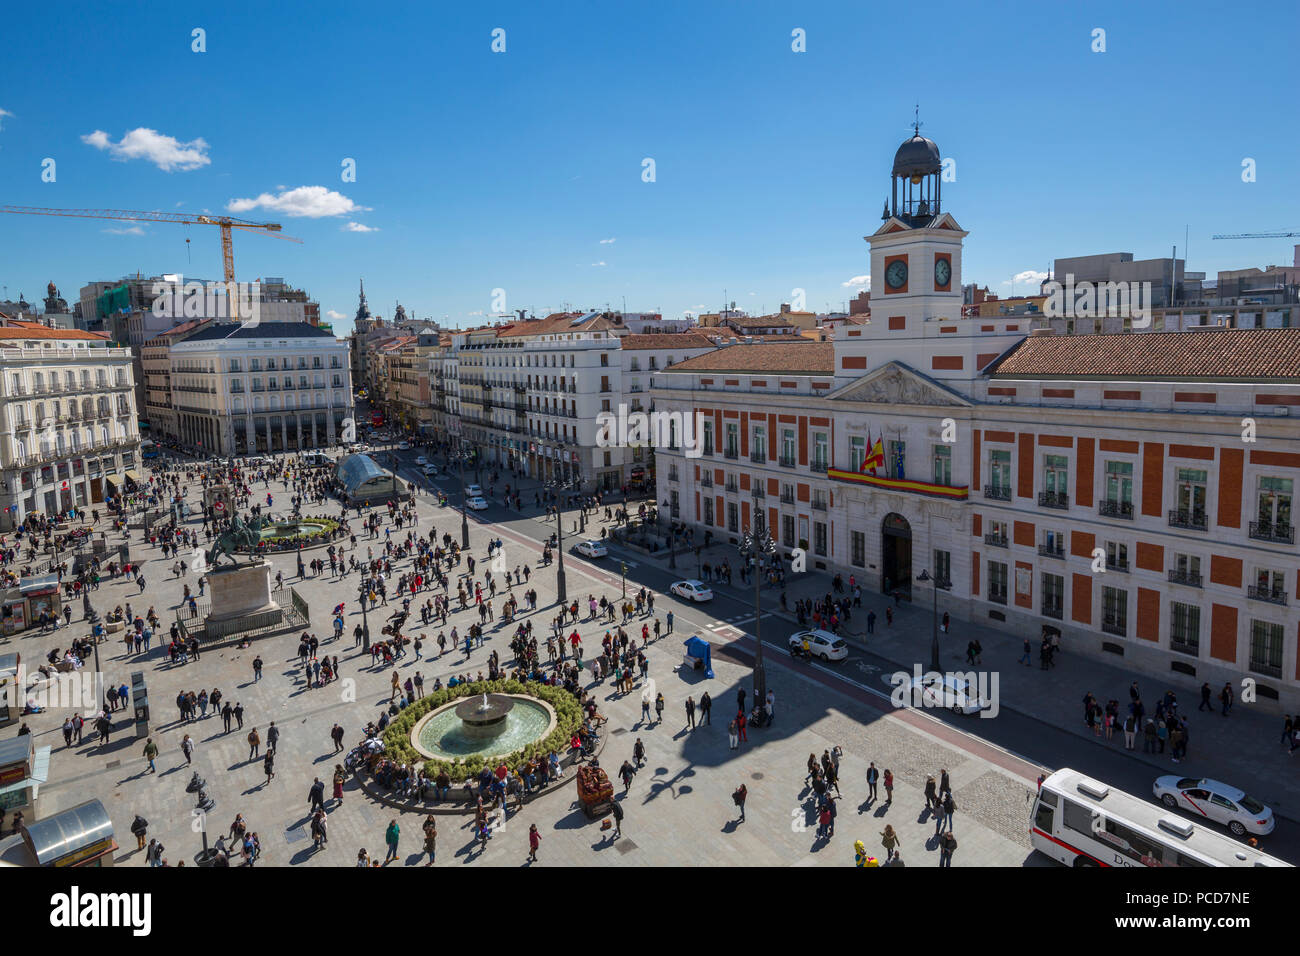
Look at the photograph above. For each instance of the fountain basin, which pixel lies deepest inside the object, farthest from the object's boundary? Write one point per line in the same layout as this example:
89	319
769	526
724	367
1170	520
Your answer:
463	729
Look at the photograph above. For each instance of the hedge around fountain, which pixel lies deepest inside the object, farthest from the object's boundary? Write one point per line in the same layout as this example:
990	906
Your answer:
321	537
568	718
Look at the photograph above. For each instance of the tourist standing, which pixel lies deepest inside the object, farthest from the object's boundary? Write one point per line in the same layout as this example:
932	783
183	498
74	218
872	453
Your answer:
391	836
534	841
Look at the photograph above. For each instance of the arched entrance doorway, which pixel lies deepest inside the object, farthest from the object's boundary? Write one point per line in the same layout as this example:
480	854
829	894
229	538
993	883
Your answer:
896	553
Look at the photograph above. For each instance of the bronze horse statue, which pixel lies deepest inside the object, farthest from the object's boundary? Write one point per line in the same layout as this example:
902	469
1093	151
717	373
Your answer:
239	536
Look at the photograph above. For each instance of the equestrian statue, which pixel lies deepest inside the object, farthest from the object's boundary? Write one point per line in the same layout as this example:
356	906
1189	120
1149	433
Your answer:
239	536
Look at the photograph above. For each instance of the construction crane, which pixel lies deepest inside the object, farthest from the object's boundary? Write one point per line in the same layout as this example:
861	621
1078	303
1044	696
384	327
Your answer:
225	223
1258	235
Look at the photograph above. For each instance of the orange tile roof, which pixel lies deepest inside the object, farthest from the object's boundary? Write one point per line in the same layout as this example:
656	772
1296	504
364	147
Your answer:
556	323
795	357
667	340
1231	354
41	332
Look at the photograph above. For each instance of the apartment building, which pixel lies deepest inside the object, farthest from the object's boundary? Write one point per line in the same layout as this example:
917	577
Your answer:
69	436
276	386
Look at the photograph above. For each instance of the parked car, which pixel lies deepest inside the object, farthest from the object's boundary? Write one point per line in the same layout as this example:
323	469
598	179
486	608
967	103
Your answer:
474	491
823	644
948	691
476	503
403	446
1212	800
421	460
591	549
430	470
692	590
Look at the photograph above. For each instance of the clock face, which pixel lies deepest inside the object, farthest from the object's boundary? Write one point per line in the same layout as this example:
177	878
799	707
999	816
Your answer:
896	274
942	272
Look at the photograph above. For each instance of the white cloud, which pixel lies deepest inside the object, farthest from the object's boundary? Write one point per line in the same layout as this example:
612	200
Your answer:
179	204
331	314
858	282
310	202
1028	276
125	231
608	242
600	263
476	312
359	227
3	114
165	152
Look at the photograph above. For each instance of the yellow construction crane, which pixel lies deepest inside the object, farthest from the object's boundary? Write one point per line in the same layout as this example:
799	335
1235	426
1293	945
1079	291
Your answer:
226	224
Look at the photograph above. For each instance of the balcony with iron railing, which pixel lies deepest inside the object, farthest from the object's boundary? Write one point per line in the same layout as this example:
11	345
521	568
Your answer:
758	490
786	461
1115	509
1271	595
787	497
998	492
672	474
1112	565
1054	499
731	452
1188	520
1273	532
732	486
819	466
758	457
1185	577
996	540
819	504
1051	551
706	480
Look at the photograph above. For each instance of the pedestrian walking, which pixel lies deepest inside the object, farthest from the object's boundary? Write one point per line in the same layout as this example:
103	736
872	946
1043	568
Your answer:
889	840
431	838
254	744
391	836
947	843
738	798
272	737
618	819
534	841
268	766
316	795
732	738
690	712
187	748
873	775
706	705
140	827
150	753
889	786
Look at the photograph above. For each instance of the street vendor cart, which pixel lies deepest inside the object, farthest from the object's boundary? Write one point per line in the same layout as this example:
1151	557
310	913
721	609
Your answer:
595	792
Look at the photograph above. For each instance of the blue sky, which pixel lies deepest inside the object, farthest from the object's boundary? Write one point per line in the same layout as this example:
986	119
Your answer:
479	170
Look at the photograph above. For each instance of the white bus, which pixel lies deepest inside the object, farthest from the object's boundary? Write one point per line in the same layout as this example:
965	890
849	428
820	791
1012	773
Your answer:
1079	821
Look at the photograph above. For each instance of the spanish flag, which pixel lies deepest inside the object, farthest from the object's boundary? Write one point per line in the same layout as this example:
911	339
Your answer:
875	457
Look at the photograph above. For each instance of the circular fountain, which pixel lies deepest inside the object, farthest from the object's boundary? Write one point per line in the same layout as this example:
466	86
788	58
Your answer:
293	528
484	725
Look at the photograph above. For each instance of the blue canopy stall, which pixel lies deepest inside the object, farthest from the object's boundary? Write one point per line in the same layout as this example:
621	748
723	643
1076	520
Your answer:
698	655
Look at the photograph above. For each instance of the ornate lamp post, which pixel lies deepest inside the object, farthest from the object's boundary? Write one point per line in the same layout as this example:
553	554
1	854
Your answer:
672	537
365	621
561	591
753	545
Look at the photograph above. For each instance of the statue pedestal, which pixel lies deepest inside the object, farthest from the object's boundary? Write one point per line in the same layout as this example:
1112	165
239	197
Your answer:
240	590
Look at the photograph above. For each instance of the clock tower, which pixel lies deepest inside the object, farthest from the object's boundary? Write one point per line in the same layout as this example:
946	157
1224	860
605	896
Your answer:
916	252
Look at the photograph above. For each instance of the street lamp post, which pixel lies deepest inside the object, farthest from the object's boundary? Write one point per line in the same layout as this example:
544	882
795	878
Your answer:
934	617
99	674
561	592
672	538
464	519
754	545
623	572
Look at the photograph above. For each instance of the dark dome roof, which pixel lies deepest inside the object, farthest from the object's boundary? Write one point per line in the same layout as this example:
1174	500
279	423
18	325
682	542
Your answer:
917	156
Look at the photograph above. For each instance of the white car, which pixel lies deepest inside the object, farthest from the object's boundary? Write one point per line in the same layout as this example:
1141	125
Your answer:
476	503
474	491
404	446
947	691
592	549
823	644
430	470
422	460
360	449
1212	800
696	591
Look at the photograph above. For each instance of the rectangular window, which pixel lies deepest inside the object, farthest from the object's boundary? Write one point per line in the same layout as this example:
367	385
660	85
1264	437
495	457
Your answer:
1274	511
758	450
1000	474
821	451
1116	556
733	440
1053	595
943	568
708	509
787	530
708	438
1266	648
997	582
819	538
1118	502
1192	495
787	447
858	549
1114	611
857	452
1185	628
942	465
733	516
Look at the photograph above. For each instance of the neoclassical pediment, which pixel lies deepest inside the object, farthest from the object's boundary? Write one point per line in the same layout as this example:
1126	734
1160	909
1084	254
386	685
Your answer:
898	384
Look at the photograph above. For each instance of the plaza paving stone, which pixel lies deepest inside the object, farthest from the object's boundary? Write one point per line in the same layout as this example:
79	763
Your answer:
678	811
